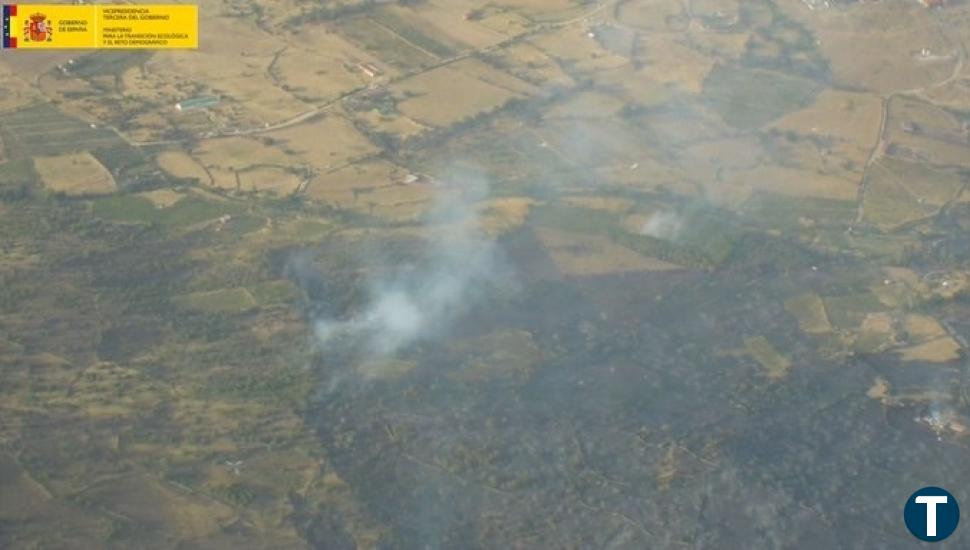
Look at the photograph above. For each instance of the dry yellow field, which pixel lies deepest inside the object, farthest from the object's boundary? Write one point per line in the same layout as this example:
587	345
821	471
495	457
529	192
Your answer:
587	105
226	159
545	10
930	118
343	185
673	61
494	77
63	88
885	52
851	119
812	154
150	126
455	92
148	84
396	195
531	64
75	174
940	350
725	9
876	333
900	191
144	498
440	30
499	216
181	165
654	15
325	142
762	351
163	198
447	17
951	152
574	46
740	153
880	390
397	125
954	94
638	86
928	131
16	92
605	204
239	153
729	46
809	310
322	65
373	188
924	327
272	179
789	181
880	321
233	61
507	23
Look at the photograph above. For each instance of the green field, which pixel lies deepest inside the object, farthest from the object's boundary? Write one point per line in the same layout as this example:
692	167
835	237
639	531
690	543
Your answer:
790	215
705	241
788	47
847	311
17	177
392	48
43	130
112	63
229	300
750	98
188	211
416	36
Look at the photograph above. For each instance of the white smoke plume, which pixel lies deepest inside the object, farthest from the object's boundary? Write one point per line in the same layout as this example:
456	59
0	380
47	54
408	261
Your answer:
419	303
663	225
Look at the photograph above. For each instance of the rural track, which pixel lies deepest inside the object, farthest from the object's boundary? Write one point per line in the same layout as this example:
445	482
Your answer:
307	115
880	146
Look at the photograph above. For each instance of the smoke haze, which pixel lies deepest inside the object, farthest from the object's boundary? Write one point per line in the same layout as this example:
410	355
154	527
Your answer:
417	303
663	225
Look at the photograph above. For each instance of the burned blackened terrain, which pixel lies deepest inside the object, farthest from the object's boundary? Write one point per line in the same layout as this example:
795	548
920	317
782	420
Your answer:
612	411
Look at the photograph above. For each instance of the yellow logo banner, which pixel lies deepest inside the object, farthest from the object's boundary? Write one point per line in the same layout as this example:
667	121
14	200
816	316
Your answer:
109	26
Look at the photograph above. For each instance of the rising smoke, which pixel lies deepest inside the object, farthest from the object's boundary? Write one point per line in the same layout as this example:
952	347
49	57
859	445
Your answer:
415	304
663	225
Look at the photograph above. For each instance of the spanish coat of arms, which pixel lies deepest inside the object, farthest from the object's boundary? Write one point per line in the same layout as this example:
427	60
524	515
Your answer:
38	29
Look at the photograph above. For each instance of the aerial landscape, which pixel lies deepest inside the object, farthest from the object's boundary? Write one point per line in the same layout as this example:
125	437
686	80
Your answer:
512	274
